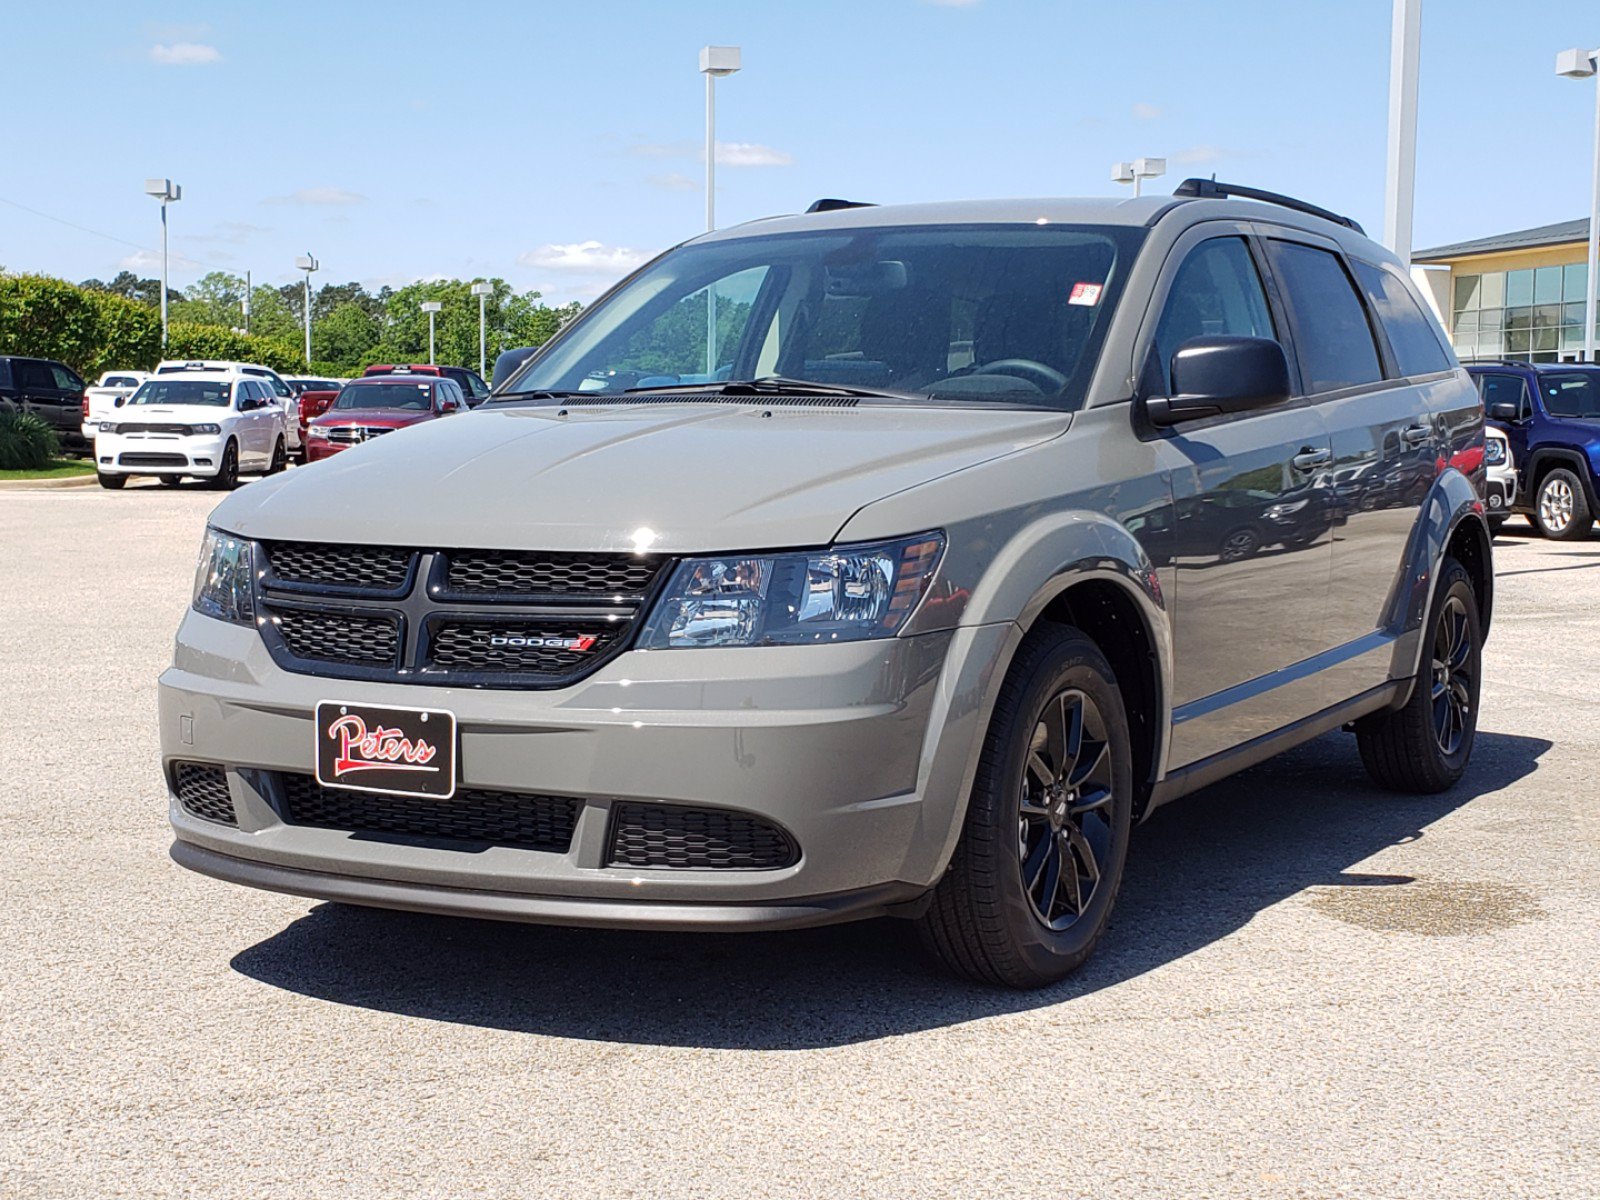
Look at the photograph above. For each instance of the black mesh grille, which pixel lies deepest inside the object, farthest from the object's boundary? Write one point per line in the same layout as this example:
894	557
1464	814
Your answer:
339	637
142	459
489	572
378	568
535	647
706	839
472	815
203	791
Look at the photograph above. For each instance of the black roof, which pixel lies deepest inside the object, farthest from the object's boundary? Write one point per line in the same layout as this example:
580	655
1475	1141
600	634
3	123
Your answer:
1522	239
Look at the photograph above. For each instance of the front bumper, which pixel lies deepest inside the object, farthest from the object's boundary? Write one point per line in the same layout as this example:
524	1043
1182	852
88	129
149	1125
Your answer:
137	454
862	752
1500	493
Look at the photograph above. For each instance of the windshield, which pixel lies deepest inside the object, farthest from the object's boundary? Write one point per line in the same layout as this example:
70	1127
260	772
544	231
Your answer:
1011	313
212	392
1572	394
385	395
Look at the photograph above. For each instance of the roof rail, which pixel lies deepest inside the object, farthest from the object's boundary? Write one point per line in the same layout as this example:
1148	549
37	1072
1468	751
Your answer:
1210	189
830	205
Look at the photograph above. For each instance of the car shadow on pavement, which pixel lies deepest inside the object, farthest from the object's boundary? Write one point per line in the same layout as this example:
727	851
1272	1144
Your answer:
1198	870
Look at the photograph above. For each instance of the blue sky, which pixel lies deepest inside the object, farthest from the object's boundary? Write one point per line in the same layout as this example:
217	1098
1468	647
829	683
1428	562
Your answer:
557	144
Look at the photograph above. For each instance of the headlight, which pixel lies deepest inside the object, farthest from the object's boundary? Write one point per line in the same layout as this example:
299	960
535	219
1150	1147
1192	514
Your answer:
205	429
845	594
1278	511
317	435
108	427
1494	450
223	577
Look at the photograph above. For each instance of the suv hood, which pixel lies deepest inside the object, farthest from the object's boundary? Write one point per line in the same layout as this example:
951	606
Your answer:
674	478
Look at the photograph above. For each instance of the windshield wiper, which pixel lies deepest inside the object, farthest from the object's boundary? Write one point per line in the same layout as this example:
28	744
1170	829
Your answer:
533	395
779	385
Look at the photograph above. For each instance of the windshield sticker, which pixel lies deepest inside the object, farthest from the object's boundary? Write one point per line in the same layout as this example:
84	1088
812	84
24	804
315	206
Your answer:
1085	293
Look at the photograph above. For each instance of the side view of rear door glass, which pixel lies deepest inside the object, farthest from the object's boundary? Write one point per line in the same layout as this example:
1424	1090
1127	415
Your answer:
1331	333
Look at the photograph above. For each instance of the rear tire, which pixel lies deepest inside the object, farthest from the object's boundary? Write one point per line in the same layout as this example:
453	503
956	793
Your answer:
279	459
1561	508
114	482
1425	746
227	476
1033	879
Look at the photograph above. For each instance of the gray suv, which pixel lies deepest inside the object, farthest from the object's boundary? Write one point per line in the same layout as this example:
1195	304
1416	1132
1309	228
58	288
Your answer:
869	561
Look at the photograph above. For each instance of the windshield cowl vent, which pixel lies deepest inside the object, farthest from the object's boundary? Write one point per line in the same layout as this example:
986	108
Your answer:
711	398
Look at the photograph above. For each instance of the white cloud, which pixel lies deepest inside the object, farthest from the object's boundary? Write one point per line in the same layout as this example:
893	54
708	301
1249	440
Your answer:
729	154
150	260
751	154
673	181
184	54
1146	112
318	195
585	258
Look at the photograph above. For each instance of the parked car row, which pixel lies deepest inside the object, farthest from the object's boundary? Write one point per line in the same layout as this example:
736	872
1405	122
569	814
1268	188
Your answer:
1550	416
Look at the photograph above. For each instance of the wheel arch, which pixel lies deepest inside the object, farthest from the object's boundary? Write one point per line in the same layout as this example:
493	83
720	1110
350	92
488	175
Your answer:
1545	458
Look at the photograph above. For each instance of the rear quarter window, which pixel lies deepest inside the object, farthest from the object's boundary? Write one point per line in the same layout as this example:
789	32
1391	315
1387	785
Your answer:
1418	346
1332	337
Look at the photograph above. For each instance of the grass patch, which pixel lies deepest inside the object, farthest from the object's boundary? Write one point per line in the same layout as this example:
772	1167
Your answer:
59	468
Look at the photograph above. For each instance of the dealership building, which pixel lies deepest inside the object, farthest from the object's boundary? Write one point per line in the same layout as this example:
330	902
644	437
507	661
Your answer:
1518	295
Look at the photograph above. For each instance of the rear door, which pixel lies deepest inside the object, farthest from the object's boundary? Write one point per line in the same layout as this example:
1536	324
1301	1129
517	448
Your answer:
1250	556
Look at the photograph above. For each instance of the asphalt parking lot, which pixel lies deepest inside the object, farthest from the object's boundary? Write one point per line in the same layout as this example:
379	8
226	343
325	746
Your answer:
1311	989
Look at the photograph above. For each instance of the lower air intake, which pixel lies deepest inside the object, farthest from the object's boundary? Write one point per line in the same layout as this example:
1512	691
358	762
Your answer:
203	791
697	839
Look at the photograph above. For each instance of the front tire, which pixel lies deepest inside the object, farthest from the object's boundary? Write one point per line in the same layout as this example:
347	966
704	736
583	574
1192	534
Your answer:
227	476
1031	884
1561	509
170	480
1424	747
113	482
279	459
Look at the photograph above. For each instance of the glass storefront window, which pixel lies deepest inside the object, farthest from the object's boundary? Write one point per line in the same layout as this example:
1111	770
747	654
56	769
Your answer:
1519	288
1519	318
1573	278
1467	291
1493	291
1492	318
1547	285
1546	316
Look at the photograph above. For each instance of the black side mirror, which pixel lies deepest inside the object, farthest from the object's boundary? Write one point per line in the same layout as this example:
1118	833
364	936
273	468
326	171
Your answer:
1504	411
1216	375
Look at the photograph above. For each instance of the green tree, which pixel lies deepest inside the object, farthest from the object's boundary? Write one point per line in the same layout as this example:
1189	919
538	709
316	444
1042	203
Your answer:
270	317
345	337
217	299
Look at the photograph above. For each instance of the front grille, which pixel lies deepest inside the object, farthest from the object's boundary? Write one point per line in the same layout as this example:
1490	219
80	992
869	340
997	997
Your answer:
704	839
507	572
138	427
203	791
339	637
152	460
349	435
540	648
372	568
482	618
528	820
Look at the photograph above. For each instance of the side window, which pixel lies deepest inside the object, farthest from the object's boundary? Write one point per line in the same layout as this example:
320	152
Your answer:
1216	291
1418	349
1331	333
34	376
65	380
1504	389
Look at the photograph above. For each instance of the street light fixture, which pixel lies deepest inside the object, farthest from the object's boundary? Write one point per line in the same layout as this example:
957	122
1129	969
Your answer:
1138	170
167	192
481	290
430	307
307	264
1582	64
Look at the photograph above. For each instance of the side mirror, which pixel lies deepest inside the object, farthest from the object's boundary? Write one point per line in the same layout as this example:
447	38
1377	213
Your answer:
1504	411
1216	375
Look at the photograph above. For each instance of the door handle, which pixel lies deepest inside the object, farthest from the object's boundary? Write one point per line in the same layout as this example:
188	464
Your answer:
1415	435
1310	458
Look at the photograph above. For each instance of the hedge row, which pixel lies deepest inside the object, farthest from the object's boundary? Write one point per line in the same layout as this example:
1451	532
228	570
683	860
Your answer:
94	331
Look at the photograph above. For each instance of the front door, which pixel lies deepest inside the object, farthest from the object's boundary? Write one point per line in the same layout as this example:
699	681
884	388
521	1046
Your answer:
1502	387
1249	544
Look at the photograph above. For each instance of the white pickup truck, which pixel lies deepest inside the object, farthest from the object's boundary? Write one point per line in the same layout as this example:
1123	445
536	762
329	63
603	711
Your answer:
110	394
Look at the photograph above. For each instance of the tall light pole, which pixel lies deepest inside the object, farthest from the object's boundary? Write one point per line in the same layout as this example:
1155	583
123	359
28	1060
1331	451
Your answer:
245	303
1400	178
430	307
167	192
481	290
715	62
307	264
1137	171
1581	64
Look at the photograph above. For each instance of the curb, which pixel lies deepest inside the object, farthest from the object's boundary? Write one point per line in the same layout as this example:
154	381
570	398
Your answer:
29	485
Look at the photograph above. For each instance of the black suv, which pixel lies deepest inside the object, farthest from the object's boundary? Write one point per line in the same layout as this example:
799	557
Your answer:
48	389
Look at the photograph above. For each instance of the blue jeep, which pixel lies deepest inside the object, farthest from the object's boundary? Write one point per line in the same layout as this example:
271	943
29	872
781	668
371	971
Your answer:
1551	414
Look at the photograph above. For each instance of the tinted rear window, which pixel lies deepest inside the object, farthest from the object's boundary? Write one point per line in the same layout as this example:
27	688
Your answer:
1418	349
1331	336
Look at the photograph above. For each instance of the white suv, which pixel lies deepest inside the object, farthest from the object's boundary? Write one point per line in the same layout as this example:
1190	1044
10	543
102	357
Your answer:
283	395
209	424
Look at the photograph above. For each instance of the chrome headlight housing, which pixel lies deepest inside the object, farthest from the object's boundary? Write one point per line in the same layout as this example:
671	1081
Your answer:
205	430
1494	451
843	594
223	579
